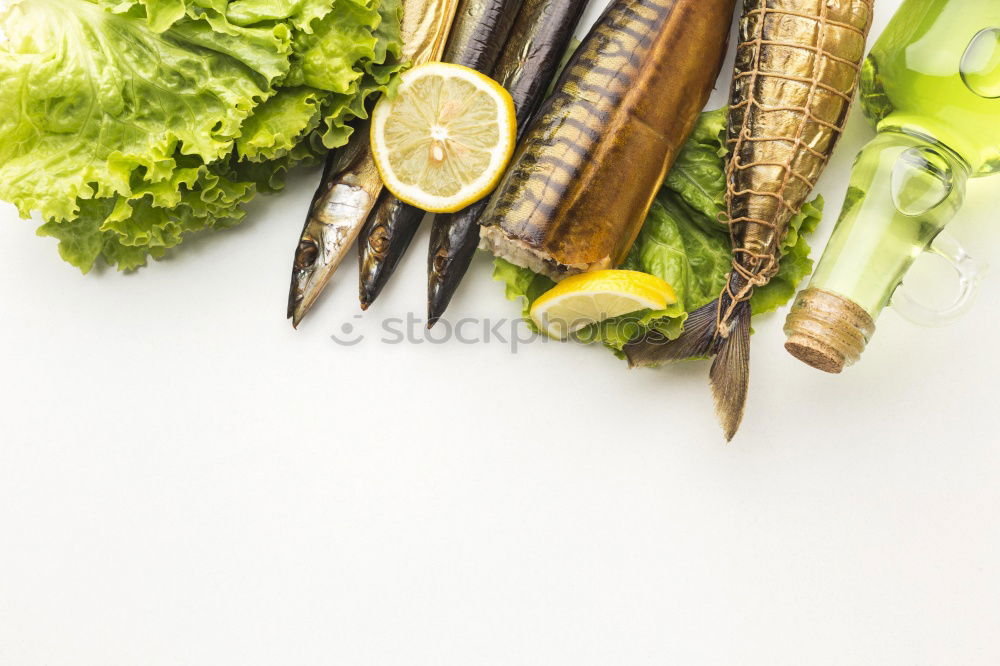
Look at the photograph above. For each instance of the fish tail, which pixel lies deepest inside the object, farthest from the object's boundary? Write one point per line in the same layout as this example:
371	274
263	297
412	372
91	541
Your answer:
730	373
720	329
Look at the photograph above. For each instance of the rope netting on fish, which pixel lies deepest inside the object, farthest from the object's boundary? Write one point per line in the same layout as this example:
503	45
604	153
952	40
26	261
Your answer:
796	76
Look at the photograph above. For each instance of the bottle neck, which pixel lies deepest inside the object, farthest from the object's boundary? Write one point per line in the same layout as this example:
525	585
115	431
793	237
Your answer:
896	129
904	190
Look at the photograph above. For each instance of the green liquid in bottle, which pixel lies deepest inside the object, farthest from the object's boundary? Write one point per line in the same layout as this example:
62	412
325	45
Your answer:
935	71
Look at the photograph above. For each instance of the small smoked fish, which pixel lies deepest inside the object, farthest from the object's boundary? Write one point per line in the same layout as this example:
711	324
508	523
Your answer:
797	69
351	184
383	241
585	175
349	188
478	34
526	68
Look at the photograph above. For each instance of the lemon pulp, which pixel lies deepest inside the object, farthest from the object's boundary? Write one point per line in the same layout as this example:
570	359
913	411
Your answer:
444	141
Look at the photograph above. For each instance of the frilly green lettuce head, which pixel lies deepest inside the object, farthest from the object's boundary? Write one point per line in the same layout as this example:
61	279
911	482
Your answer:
127	124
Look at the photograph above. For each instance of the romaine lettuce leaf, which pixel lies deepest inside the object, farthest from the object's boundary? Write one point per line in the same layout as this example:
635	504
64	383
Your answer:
350	96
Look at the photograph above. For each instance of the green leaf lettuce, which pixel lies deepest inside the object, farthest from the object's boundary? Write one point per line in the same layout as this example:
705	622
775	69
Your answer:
127	124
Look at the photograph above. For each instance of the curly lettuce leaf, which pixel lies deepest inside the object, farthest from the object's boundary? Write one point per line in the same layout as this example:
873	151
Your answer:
264	50
280	124
160	15
103	96
124	230
299	13
135	122
351	93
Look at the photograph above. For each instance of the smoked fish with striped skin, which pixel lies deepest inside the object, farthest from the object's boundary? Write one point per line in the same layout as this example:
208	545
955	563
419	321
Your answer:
585	175
797	70
477	36
351	186
526	68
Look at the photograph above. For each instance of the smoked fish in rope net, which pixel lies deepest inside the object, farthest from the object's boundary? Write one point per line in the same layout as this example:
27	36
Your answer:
797	70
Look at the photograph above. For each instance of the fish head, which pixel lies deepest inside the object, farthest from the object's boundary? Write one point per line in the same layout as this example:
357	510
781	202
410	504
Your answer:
332	227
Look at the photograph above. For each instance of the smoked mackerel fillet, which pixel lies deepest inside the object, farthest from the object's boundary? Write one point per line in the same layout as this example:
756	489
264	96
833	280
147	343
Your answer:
585	175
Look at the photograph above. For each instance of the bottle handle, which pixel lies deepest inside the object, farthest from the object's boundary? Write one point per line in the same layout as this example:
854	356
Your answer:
970	274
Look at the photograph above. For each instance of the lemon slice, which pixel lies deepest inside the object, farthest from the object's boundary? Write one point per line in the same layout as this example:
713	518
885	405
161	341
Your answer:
444	141
582	300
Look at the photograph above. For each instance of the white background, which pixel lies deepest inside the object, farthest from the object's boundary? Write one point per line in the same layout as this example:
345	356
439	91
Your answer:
185	480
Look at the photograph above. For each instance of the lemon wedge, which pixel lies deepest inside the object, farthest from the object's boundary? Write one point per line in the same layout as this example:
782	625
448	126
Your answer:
444	141
589	298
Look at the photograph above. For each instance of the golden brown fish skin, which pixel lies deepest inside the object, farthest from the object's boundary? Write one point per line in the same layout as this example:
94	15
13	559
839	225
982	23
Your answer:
788	109
585	175
426	28
350	187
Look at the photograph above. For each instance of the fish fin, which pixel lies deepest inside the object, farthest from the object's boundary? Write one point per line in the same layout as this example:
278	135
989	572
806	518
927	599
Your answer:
706	335
730	374
696	341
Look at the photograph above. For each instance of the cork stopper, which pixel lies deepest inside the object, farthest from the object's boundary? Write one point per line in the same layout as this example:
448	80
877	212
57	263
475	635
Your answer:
827	331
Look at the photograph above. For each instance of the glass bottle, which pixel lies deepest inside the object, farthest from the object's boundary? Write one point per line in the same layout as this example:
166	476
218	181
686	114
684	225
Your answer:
931	88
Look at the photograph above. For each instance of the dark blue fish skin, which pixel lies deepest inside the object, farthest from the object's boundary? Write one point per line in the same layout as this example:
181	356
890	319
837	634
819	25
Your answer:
480	32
